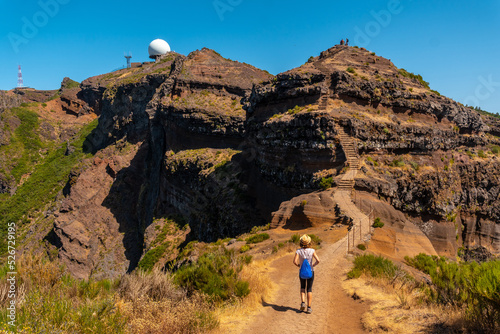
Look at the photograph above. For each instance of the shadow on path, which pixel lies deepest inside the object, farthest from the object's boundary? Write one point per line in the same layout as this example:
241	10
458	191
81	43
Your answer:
280	308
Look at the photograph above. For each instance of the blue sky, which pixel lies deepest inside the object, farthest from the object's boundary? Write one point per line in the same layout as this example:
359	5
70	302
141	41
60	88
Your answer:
455	45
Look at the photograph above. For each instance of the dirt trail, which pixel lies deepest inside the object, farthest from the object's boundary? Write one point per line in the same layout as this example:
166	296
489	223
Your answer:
333	311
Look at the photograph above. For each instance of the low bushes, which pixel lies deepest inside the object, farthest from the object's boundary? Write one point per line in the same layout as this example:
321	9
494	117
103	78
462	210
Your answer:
413	76
215	274
326	183
48	301
377	223
255	239
472	286
375	266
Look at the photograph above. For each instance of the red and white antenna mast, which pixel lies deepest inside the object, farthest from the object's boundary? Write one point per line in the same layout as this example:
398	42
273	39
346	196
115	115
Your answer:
20	83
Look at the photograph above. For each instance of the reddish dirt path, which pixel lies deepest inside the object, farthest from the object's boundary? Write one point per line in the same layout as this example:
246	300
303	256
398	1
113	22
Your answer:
333	310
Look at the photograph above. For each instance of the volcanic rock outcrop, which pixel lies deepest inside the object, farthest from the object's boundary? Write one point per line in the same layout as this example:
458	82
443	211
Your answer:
225	145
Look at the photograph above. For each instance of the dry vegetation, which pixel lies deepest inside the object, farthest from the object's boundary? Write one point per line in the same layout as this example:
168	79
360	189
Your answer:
402	304
398	310
50	301
212	104
194	299
261	288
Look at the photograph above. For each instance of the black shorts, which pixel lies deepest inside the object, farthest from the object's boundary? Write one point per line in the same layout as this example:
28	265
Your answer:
307	283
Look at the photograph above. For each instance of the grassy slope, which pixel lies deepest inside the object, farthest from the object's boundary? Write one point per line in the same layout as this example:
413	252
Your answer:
47	163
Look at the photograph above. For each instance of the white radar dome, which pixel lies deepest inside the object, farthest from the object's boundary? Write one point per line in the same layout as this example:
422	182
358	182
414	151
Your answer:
158	47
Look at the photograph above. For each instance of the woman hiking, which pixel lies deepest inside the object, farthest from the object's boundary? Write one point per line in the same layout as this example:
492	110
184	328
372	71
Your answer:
306	252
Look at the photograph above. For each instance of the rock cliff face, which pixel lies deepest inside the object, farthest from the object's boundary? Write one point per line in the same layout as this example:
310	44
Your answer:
224	145
153	119
398	121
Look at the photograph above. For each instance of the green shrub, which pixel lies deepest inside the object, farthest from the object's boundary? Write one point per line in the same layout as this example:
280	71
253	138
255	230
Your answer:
386	131
351	70
414	165
315	240
326	183
481	154
295	239
44	104
397	163
295	110
242	289
276	248
53	97
256	229
470	285
377	223
71	84
417	77
495	149
427	264
362	247
246	259
153	256
375	266
244	248
303	203
255	239
215	274
484	112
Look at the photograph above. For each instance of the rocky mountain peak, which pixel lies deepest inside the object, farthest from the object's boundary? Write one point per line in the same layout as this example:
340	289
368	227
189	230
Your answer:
353	80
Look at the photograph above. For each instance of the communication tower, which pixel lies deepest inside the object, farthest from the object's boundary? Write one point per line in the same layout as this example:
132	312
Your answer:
20	83
128	58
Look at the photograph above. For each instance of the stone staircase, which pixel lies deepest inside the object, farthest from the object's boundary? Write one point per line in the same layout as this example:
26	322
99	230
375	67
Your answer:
323	101
350	148
325	94
360	230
